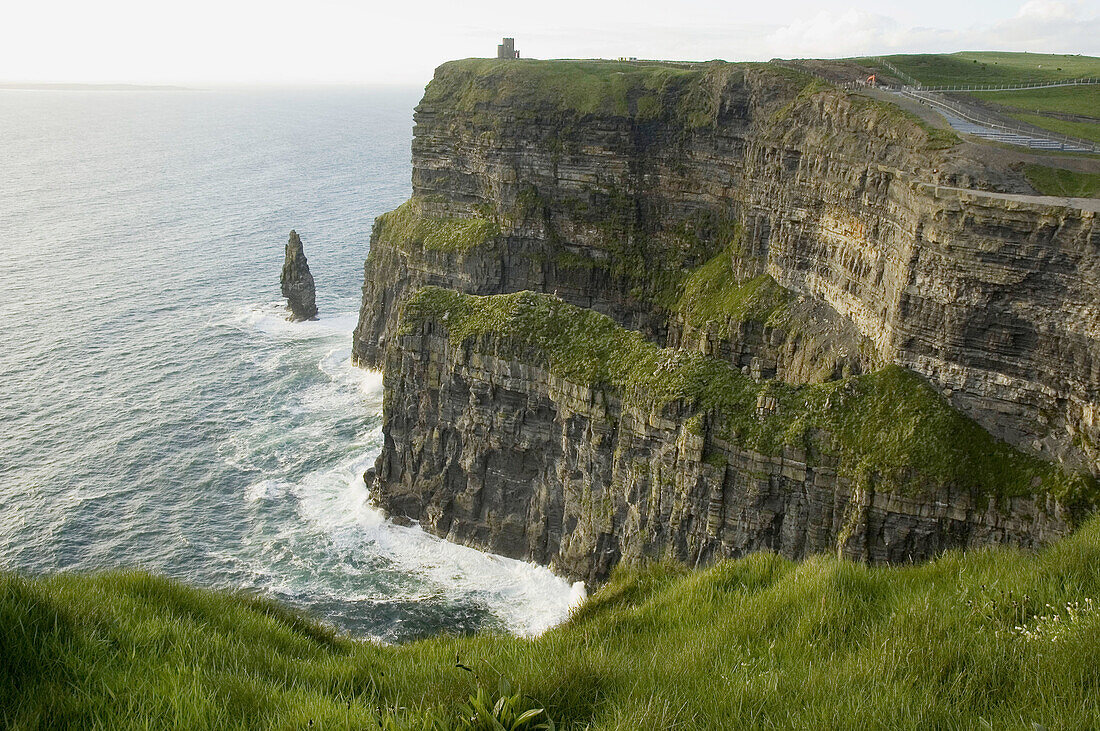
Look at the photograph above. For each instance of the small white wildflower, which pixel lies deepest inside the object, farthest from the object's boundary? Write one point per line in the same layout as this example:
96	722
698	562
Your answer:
1055	625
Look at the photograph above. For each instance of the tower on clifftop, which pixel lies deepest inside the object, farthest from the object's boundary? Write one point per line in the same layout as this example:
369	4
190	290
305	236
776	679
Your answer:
507	49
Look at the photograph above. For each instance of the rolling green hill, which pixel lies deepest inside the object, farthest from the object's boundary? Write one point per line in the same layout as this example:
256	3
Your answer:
986	639
1046	108
1049	108
990	67
1083	100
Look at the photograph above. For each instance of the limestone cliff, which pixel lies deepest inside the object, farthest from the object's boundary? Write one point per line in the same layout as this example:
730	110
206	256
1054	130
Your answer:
539	430
297	282
842	201
752	216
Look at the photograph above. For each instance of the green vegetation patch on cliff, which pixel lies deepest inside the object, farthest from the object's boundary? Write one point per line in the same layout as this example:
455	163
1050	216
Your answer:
894	116
408	228
717	292
994	638
1056	181
888	120
890	424
677	268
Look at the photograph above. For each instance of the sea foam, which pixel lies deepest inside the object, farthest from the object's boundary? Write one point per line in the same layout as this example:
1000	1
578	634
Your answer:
349	543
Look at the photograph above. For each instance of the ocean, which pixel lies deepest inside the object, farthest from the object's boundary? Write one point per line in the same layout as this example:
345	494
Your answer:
158	412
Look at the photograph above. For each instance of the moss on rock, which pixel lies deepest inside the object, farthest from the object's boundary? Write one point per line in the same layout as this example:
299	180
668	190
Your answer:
890	422
714	292
406	227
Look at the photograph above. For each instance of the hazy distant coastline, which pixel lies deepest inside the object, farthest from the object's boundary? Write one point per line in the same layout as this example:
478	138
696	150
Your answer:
90	87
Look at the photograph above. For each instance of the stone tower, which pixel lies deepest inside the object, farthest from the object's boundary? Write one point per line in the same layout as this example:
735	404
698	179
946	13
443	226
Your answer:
507	49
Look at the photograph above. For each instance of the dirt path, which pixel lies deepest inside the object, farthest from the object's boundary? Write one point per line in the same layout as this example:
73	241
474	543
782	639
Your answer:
1084	204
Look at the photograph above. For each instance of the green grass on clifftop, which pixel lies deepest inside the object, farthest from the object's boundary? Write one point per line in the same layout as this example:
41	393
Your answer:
1081	130
1084	100
580	87
991	67
988	639
688	95
890	423
1067	110
1056	181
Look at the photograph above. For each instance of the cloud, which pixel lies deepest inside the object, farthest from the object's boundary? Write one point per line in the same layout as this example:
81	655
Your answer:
1039	25
828	33
1045	25
1052	26
350	41
1045	10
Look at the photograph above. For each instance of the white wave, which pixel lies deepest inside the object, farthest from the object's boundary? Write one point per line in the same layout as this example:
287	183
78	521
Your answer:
267	490
370	383
336	525
270	319
527	598
348	387
322	397
337	365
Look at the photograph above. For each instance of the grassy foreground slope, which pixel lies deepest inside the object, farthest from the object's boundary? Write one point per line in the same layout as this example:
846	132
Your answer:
992	638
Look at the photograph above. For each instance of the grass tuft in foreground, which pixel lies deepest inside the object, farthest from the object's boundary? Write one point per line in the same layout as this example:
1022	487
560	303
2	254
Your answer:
987	639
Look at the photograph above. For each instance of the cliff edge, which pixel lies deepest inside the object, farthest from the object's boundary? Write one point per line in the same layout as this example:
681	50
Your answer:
797	240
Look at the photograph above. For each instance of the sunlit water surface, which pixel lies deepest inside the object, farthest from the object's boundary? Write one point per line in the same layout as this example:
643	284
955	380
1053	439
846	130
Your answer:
158	411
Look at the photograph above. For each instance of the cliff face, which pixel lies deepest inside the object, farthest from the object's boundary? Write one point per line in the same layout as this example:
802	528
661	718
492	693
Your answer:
550	435
748	214
830	196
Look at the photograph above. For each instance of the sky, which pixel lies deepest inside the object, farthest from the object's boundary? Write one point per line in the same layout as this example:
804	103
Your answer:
399	43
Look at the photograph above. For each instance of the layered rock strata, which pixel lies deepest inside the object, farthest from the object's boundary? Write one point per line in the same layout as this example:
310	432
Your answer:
845	203
757	219
297	282
491	441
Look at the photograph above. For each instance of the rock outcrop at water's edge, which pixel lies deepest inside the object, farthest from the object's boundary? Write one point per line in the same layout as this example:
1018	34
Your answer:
488	443
297	282
756	217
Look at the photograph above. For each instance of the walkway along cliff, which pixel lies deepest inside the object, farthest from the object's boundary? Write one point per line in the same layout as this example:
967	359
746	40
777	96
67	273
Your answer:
646	310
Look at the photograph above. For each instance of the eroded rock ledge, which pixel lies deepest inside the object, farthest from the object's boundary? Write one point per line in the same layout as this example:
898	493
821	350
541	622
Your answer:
542	431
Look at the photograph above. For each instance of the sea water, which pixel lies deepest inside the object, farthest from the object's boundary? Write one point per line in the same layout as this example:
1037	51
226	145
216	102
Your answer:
157	411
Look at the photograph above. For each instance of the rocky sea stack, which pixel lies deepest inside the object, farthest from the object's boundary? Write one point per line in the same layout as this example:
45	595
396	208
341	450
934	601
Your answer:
297	282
